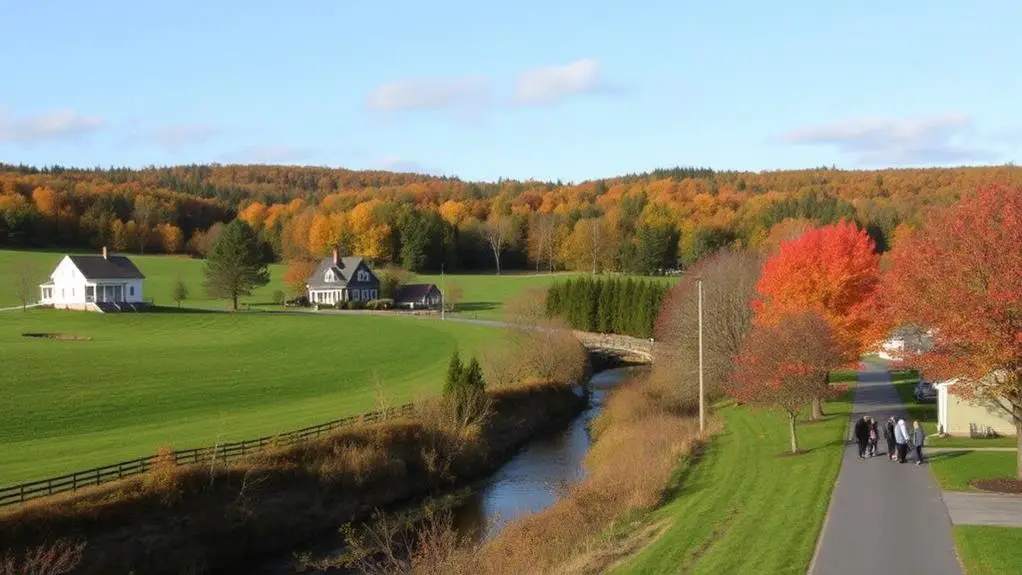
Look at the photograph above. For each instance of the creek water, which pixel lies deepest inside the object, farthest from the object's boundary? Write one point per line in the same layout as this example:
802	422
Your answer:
529	482
535	477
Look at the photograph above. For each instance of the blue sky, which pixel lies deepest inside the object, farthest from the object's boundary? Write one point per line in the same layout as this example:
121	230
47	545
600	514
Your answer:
526	89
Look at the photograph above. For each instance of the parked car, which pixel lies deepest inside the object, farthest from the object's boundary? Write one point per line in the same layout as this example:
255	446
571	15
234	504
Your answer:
925	391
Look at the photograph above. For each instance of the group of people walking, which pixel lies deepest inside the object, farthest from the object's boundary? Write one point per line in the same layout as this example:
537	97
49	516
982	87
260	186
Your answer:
897	434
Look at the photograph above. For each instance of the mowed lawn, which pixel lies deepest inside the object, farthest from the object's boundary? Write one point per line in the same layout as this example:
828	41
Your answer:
989	550
746	506
484	295
188	379
161	274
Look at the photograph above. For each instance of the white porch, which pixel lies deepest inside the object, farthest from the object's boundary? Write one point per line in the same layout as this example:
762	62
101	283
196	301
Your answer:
334	295
328	296
109	292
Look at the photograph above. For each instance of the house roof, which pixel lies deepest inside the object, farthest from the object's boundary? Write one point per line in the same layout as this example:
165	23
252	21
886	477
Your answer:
413	292
111	267
344	269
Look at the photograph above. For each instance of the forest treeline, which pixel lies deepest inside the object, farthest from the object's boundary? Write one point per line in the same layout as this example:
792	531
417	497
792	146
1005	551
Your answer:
636	223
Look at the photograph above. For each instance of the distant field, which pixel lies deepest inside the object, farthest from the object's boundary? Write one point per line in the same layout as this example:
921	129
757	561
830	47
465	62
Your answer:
188	379
161	273
483	294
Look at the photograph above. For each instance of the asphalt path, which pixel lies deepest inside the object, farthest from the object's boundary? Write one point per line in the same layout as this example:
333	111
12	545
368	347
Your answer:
884	517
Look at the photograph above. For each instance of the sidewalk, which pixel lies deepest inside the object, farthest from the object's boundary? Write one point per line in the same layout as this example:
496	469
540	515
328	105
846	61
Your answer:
984	508
884	517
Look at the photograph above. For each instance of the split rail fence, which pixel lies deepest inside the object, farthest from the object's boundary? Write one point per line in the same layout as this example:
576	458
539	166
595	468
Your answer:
224	452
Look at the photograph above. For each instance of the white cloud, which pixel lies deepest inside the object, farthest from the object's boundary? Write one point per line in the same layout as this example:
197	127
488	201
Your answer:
553	84
429	95
53	125
878	140
177	137
269	155
397	164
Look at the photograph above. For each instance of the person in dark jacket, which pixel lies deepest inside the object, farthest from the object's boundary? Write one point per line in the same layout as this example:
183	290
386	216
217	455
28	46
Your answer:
889	436
862	435
874	435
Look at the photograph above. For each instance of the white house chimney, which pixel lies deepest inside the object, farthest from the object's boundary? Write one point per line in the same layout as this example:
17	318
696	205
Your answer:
336	258
104	253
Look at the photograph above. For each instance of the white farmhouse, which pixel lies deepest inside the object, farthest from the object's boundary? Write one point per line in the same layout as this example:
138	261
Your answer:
94	283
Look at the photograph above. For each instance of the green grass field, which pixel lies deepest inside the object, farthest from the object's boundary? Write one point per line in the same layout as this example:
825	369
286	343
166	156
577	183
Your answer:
987	550
161	273
955	469
189	379
746	506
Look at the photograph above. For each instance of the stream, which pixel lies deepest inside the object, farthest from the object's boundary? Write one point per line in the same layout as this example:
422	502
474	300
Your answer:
530	481
535	477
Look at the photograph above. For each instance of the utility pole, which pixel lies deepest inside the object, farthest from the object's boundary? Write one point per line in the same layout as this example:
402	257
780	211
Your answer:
702	420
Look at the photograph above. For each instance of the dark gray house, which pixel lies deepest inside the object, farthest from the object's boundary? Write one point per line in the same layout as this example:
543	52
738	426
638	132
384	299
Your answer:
338	279
418	296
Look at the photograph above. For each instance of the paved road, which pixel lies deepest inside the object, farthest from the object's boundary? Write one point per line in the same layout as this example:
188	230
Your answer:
884	517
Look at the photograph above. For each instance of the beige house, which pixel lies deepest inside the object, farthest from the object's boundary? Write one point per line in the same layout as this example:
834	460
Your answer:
978	417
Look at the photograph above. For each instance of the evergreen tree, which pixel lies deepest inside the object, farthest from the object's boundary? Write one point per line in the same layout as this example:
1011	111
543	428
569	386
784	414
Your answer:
454	371
608	301
235	263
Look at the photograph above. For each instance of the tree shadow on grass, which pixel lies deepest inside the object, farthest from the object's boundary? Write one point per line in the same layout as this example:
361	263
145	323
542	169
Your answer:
943	455
477	306
178	310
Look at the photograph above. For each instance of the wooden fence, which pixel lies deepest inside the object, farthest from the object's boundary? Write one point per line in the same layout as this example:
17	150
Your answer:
224	452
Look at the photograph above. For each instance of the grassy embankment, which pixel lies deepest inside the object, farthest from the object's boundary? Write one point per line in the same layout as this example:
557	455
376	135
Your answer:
216	518
190	379
745	489
639	511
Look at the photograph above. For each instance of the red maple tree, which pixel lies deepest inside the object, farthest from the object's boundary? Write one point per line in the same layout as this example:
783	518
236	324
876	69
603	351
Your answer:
785	365
960	275
832	270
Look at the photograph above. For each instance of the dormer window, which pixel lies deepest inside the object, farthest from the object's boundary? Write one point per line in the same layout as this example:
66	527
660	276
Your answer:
330	277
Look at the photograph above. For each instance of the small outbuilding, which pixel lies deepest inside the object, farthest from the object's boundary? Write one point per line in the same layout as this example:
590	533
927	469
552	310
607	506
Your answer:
974	417
418	296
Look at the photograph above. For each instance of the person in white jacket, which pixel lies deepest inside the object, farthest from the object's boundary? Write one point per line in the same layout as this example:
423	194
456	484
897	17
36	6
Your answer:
901	438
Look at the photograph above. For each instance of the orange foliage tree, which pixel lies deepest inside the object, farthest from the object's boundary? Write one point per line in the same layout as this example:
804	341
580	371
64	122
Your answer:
834	271
960	275
298	271
785	365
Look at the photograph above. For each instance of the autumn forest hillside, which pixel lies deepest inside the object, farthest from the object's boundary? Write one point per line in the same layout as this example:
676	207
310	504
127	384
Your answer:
636	223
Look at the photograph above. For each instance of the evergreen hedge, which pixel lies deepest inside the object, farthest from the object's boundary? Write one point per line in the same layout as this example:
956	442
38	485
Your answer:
626	306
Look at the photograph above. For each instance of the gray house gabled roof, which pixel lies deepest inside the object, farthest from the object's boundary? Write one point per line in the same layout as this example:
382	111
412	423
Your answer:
106	268
414	293
344	271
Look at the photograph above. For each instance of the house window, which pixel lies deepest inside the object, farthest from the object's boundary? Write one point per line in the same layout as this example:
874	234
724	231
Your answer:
330	276
131	290
363	276
354	295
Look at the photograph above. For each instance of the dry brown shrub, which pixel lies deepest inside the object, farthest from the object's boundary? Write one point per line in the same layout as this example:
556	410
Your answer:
62	556
643	438
162	477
